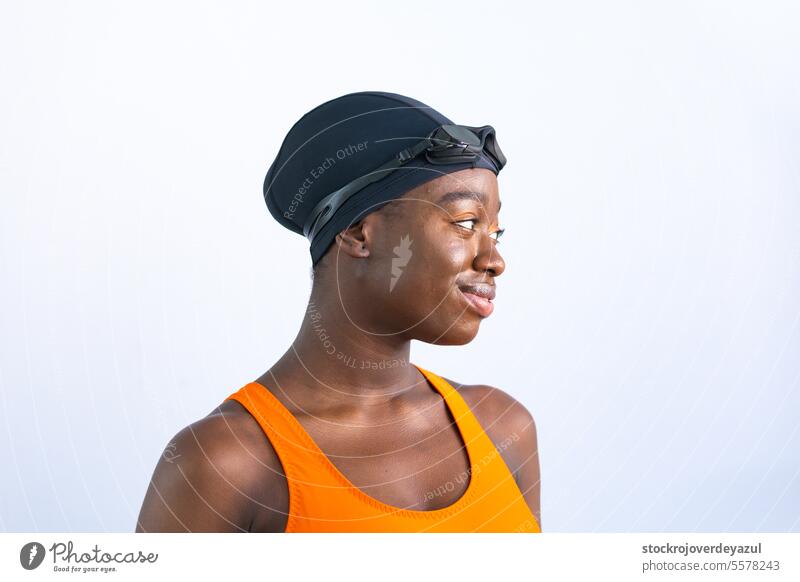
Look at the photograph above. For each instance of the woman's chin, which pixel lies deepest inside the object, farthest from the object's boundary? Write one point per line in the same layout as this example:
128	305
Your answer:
460	333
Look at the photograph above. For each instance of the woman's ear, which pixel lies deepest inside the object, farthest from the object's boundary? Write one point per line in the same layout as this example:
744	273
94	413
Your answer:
354	240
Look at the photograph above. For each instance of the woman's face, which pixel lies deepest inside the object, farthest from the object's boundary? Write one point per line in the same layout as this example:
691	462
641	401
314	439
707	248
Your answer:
432	261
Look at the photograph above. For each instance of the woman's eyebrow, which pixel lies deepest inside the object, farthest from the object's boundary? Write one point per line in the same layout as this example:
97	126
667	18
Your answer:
457	195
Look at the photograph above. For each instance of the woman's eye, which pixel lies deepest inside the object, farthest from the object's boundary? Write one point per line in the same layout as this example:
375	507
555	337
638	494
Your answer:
495	235
472	220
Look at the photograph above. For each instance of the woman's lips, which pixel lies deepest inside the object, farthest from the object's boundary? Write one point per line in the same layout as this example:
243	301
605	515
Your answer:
479	298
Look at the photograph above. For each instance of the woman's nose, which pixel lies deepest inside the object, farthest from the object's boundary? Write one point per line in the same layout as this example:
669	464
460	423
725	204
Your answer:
488	258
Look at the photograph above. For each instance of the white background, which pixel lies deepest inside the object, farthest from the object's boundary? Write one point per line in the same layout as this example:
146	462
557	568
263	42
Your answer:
648	316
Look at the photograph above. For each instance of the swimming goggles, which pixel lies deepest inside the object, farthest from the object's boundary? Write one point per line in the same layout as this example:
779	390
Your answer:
447	144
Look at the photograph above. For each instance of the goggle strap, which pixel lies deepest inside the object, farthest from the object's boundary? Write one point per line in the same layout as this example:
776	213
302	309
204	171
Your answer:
337	199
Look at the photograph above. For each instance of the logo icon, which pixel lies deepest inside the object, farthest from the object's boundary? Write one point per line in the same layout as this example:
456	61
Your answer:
402	256
169	453
31	555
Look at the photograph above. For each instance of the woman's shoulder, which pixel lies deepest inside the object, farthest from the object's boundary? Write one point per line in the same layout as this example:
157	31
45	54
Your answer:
491	404
219	473
505	420
231	439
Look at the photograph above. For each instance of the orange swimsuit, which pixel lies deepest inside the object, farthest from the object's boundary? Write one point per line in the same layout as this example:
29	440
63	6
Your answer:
322	499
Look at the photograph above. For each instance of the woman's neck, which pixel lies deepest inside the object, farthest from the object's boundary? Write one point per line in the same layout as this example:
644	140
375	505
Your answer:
331	351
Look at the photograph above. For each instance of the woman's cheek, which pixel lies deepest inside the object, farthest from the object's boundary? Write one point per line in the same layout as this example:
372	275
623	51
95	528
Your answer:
457	253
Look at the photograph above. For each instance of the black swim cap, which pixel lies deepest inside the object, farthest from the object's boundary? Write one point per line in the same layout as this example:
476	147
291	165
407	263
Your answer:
346	138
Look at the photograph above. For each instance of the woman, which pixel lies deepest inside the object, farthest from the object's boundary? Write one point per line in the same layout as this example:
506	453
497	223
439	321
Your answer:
343	432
